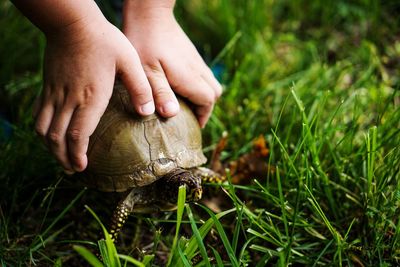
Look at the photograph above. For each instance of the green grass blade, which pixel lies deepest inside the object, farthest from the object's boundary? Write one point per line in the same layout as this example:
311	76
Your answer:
147	259
336	235
110	247
227	47
322	252
264	260
311	142
217	257
371	150
179	214
42	242
204	229
105	256
58	262
236	231
264	250
244	248
182	256
282	201
260	235
223	236
320	212
38	241
88	256
198	236
131	260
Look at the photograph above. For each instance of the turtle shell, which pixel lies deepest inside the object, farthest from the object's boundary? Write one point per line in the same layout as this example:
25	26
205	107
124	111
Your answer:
127	150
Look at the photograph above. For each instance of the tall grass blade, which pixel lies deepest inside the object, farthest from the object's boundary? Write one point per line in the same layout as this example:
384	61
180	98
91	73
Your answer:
147	259
231	43
198	236
183	257
204	229
223	236
218	258
179	214
371	150
109	244
236	231
38	241
88	256
131	260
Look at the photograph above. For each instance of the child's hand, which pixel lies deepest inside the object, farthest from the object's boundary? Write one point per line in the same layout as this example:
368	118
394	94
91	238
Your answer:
170	60
80	65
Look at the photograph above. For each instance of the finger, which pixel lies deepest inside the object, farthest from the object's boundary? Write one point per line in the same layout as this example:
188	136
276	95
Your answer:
194	88
209	77
203	114
203	96
131	72
83	123
43	119
56	136
166	103
200	93
204	109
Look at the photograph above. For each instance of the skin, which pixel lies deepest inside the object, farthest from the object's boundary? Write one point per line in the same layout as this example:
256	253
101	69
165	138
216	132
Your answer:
169	59
84	53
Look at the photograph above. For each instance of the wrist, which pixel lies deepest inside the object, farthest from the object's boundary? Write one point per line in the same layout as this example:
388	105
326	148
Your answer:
56	17
149	5
136	11
91	23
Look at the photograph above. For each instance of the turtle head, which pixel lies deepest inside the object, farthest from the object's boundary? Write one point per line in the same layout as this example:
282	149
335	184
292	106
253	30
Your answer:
173	181
194	191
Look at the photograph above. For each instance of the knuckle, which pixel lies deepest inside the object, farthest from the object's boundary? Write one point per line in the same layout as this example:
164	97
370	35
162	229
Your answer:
75	135
88	91
209	100
153	68
84	97
54	137
163	93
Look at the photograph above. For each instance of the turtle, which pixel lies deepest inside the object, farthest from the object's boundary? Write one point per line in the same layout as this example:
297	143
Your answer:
145	158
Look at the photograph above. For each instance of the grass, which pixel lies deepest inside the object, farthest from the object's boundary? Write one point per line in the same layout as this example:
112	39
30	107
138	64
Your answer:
319	80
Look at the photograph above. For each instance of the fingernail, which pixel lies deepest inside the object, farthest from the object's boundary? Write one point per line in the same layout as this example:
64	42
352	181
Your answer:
69	172
170	107
77	168
148	108
81	164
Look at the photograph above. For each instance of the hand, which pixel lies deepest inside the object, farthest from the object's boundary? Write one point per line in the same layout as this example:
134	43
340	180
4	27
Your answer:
81	61
170	61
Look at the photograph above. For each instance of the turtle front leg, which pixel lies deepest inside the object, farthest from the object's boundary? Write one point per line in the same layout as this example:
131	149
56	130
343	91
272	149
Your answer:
118	220
121	212
208	175
139	199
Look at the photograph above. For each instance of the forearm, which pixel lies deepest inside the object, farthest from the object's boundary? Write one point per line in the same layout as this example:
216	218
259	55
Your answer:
51	16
